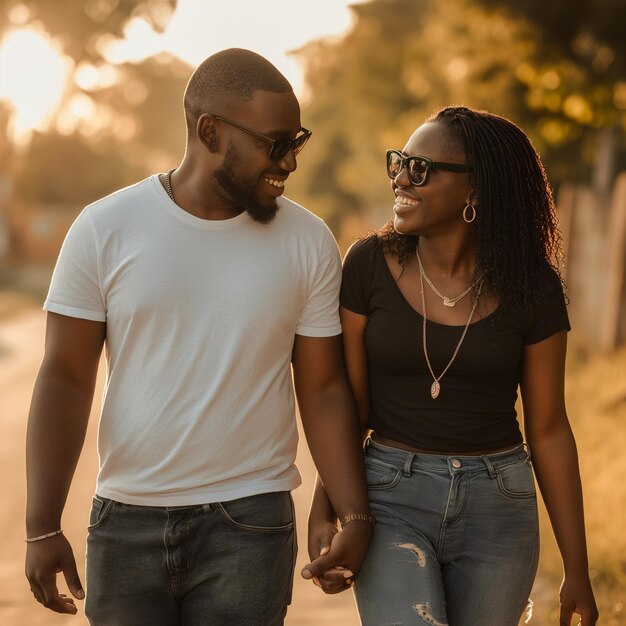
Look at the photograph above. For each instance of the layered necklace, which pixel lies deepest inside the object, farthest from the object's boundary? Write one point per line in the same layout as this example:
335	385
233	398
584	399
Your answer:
450	302
435	388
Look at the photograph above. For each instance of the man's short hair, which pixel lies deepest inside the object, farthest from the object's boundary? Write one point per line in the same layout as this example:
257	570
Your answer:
228	78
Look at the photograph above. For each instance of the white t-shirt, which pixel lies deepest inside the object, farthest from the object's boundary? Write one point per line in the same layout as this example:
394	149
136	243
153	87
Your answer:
201	317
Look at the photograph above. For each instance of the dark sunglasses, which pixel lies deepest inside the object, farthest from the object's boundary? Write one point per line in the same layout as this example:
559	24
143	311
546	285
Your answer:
417	167
278	147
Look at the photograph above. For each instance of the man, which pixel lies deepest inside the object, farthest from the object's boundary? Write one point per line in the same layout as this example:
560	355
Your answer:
206	285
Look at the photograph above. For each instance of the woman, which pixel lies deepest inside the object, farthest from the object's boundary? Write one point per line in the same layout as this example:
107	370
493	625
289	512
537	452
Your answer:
446	311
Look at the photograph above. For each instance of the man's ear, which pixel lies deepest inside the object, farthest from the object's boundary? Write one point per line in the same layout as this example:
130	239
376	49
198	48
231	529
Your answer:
207	133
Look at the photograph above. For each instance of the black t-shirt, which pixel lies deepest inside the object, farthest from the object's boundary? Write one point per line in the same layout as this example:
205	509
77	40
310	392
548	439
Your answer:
476	407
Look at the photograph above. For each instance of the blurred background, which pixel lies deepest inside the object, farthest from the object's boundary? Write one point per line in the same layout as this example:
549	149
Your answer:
91	101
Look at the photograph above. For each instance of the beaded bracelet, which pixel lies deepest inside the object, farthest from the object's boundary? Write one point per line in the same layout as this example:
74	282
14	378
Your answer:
42	537
364	517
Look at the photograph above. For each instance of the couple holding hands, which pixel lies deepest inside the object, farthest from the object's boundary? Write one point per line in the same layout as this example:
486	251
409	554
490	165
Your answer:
209	289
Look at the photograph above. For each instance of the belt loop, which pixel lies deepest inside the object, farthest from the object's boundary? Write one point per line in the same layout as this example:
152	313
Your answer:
527	450
492	470
368	441
406	470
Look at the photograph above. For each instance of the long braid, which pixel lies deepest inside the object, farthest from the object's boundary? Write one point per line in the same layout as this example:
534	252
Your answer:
517	233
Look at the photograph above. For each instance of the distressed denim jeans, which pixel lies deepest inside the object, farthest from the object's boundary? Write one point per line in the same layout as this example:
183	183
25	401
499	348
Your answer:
220	564
456	540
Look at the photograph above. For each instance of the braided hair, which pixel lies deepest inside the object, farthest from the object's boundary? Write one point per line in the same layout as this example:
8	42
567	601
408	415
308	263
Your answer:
516	227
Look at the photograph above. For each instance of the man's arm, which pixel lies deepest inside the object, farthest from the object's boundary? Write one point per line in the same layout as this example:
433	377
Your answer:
333	435
56	431
322	519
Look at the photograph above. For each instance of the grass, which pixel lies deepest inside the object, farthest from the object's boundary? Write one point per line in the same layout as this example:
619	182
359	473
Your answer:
596	402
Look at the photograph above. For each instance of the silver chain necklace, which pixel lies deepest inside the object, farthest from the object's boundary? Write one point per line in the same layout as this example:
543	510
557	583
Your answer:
168	184
435	388
450	302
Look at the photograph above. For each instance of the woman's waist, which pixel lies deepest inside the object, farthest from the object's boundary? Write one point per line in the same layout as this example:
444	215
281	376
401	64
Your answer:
447	462
405	447
441	432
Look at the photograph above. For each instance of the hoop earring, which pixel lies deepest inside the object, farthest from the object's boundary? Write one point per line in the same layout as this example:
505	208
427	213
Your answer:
470	220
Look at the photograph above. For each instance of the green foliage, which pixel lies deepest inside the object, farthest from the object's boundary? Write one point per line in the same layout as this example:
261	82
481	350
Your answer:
576	76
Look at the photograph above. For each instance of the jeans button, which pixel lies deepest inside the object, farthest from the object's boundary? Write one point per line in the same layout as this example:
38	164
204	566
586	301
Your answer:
456	463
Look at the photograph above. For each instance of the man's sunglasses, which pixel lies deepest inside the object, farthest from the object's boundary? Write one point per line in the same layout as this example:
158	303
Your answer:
417	167
278	147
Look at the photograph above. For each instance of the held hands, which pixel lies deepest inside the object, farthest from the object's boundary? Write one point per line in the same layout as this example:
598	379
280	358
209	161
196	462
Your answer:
336	555
576	596
44	559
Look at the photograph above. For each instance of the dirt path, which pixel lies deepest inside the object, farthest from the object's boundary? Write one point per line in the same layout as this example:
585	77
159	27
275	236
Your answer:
21	345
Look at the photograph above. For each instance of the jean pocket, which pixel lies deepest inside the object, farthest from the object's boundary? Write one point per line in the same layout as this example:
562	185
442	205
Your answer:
263	513
516	480
380	475
100	508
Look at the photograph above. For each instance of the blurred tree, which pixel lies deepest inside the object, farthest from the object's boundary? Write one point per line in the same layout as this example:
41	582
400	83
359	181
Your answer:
6	191
53	170
404	58
116	122
575	80
84	27
126	131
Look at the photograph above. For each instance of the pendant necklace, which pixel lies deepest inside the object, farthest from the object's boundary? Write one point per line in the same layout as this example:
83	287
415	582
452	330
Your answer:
435	388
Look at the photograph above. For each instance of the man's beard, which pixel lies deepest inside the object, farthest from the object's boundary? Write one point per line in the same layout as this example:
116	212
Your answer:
241	191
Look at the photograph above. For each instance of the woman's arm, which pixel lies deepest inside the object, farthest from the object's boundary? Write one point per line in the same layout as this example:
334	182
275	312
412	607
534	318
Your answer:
555	461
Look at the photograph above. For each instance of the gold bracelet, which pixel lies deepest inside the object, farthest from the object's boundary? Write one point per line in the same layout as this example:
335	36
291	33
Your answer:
364	517
42	537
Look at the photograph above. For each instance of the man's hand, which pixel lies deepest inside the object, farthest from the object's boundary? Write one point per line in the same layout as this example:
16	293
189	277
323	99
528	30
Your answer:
44	559
338	564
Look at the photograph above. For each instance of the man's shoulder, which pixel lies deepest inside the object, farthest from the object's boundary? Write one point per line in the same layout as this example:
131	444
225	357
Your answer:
122	198
296	213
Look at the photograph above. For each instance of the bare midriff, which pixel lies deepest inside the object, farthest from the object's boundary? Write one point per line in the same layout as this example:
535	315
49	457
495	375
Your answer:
392	443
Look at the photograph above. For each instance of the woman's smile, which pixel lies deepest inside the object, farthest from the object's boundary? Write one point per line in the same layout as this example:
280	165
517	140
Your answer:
404	203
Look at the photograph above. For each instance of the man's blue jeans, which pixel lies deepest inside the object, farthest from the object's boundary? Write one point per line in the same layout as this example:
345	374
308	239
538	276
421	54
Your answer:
218	564
456	540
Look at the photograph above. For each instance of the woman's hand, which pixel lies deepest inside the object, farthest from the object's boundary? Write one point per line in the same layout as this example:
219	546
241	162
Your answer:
576	596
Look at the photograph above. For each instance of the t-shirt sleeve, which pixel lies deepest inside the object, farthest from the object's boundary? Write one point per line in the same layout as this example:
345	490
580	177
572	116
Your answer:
320	316
358	267
550	314
75	287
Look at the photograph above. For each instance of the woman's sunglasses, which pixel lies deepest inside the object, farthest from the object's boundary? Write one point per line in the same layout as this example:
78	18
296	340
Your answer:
417	167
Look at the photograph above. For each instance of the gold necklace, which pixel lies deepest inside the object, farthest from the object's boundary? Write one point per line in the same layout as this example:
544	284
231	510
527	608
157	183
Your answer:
168	184
435	388
449	302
